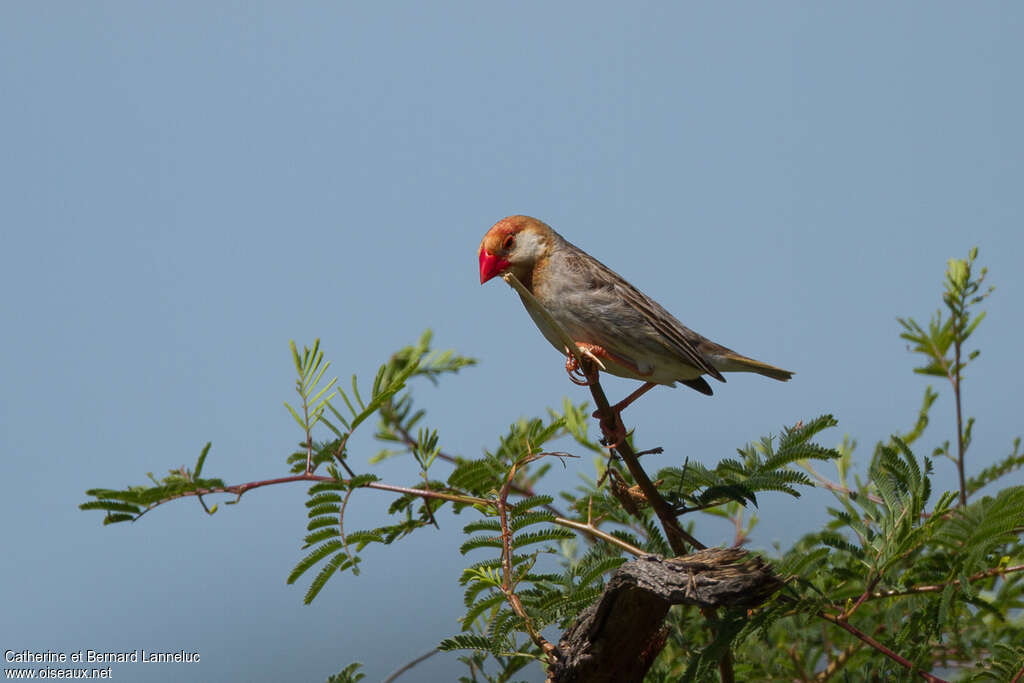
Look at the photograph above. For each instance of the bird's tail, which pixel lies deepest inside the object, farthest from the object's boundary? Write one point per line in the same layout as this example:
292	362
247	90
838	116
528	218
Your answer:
734	362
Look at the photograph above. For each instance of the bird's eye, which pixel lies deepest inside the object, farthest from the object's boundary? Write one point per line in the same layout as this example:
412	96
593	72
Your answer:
508	242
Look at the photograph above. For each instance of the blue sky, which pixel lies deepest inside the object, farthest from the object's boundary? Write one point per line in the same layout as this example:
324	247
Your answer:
185	187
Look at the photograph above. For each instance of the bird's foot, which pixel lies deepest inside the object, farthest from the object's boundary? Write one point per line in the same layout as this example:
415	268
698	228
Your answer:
624	403
589	351
576	374
612	435
615	434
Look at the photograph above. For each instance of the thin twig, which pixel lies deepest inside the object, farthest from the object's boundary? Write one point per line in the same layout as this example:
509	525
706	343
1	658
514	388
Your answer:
506	570
824	483
341	524
792	652
604	536
860	635
939	587
836	664
587	529
406	667
340	458
953	375
240	489
863	596
740	537
522	489
959	417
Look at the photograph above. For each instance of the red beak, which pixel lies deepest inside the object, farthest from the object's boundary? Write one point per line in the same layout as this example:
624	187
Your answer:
490	265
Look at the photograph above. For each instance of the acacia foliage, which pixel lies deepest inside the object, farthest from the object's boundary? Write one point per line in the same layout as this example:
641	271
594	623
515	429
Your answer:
935	578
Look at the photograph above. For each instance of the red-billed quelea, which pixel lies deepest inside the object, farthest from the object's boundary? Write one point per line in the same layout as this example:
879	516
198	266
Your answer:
625	331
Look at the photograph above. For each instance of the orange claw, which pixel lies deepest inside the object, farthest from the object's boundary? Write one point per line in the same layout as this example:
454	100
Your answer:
595	353
616	434
613	436
576	374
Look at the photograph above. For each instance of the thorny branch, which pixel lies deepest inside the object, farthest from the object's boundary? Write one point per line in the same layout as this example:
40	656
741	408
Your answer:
865	638
523	489
677	537
240	489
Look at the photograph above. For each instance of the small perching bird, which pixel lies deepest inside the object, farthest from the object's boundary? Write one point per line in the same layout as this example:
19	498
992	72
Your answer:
613	323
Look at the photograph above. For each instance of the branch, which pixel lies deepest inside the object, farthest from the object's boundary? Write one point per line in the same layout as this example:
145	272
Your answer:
677	537
899	659
410	443
507	586
824	483
240	489
589	528
959	414
836	664
863	597
616	639
405	667
939	587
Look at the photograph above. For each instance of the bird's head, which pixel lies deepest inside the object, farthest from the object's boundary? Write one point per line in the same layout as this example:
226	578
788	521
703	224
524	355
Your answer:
514	244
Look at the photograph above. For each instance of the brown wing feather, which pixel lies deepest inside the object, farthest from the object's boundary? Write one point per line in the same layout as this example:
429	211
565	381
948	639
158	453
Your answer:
700	384
674	335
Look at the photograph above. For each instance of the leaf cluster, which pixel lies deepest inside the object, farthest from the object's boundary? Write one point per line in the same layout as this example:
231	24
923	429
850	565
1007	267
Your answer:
128	504
761	466
936	577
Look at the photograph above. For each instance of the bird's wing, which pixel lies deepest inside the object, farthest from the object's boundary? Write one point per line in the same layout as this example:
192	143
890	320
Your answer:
672	334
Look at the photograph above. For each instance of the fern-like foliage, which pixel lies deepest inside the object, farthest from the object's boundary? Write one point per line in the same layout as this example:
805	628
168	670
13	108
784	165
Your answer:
1002	665
399	417
333	550
1011	463
350	674
330	549
936	577
486	475
127	505
310	386
763	466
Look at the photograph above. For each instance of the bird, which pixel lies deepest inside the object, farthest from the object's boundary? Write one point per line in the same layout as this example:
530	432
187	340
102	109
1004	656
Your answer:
621	329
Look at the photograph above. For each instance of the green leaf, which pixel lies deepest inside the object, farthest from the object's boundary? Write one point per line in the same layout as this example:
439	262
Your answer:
534	517
338	563
467	641
298	419
482	525
552	534
525	504
350	674
480	542
312	558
